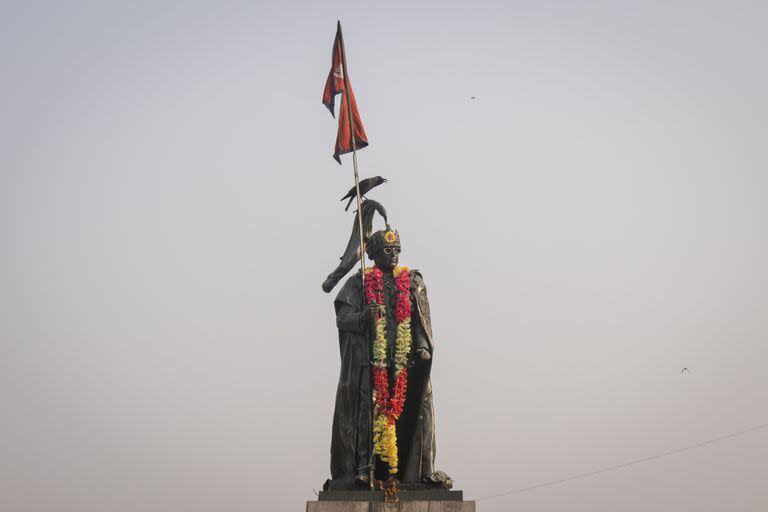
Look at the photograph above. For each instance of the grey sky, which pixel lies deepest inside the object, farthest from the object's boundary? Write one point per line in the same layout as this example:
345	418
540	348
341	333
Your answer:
592	224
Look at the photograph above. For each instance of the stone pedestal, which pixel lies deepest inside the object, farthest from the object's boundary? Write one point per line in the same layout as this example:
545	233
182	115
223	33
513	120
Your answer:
380	506
436	500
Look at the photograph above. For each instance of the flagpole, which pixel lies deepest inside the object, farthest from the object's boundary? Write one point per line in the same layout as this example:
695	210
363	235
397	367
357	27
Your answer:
347	90
354	147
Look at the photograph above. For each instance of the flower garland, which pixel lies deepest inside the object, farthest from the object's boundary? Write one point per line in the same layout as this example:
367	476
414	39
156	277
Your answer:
389	407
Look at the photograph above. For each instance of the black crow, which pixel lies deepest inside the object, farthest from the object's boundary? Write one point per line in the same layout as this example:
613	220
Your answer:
365	186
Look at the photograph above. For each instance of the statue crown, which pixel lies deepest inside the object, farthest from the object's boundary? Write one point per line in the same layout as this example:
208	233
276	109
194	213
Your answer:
381	239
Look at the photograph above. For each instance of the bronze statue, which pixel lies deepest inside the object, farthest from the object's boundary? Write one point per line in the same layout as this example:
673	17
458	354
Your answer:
383	422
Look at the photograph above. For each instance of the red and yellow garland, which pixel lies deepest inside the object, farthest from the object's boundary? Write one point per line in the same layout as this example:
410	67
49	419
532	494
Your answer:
389	407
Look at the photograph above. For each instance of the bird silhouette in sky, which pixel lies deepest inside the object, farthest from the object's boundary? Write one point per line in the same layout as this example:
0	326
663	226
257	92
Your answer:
685	370
474	98
365	186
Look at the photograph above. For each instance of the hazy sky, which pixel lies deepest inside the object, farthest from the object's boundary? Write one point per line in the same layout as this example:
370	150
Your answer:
589	226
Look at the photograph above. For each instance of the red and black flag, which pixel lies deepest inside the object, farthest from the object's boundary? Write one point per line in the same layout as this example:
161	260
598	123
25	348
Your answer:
338	83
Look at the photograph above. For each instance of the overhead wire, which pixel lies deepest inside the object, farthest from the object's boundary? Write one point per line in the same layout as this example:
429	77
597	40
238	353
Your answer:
625	464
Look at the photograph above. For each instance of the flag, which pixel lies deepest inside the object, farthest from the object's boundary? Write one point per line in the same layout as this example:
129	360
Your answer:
338	83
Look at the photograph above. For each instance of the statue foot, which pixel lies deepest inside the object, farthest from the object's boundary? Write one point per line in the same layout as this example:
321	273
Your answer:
438	479
362	480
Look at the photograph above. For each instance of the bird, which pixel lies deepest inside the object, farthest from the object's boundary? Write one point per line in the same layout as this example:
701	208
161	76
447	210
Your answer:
365	186
474	98
685	370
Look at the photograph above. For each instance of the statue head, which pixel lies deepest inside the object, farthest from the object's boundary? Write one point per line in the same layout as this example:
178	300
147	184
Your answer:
383	247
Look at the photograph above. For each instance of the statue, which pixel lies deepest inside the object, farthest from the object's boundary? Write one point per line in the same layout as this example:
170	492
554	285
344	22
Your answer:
383	422
383	434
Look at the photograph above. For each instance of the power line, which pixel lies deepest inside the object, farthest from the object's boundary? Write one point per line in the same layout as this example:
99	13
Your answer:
625	464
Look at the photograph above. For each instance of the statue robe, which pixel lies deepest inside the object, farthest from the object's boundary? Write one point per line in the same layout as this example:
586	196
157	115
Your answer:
351	439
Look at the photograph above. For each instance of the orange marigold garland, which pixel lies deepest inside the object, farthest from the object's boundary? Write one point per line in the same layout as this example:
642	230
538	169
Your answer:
389	407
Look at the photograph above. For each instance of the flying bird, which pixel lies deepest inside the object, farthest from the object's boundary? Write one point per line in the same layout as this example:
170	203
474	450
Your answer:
474	98
365	186
685	370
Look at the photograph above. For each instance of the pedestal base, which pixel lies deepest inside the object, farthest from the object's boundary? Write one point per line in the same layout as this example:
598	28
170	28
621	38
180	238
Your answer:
380	506
430	500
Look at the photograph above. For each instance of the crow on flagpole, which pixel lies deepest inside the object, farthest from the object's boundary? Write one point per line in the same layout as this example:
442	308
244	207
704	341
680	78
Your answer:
365	186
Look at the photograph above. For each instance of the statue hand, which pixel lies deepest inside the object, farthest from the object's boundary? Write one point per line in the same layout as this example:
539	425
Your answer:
424	354
369	313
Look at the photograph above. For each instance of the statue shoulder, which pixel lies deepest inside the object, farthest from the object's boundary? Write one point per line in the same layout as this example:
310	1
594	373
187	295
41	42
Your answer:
417	279
351	290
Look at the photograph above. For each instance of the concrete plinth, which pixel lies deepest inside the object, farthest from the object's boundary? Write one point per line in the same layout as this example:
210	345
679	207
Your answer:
380	506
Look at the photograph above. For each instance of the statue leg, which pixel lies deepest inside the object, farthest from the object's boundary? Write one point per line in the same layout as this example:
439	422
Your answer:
427	434
364	442
429	474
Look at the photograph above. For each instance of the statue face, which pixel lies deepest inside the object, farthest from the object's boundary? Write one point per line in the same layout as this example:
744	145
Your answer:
387	258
